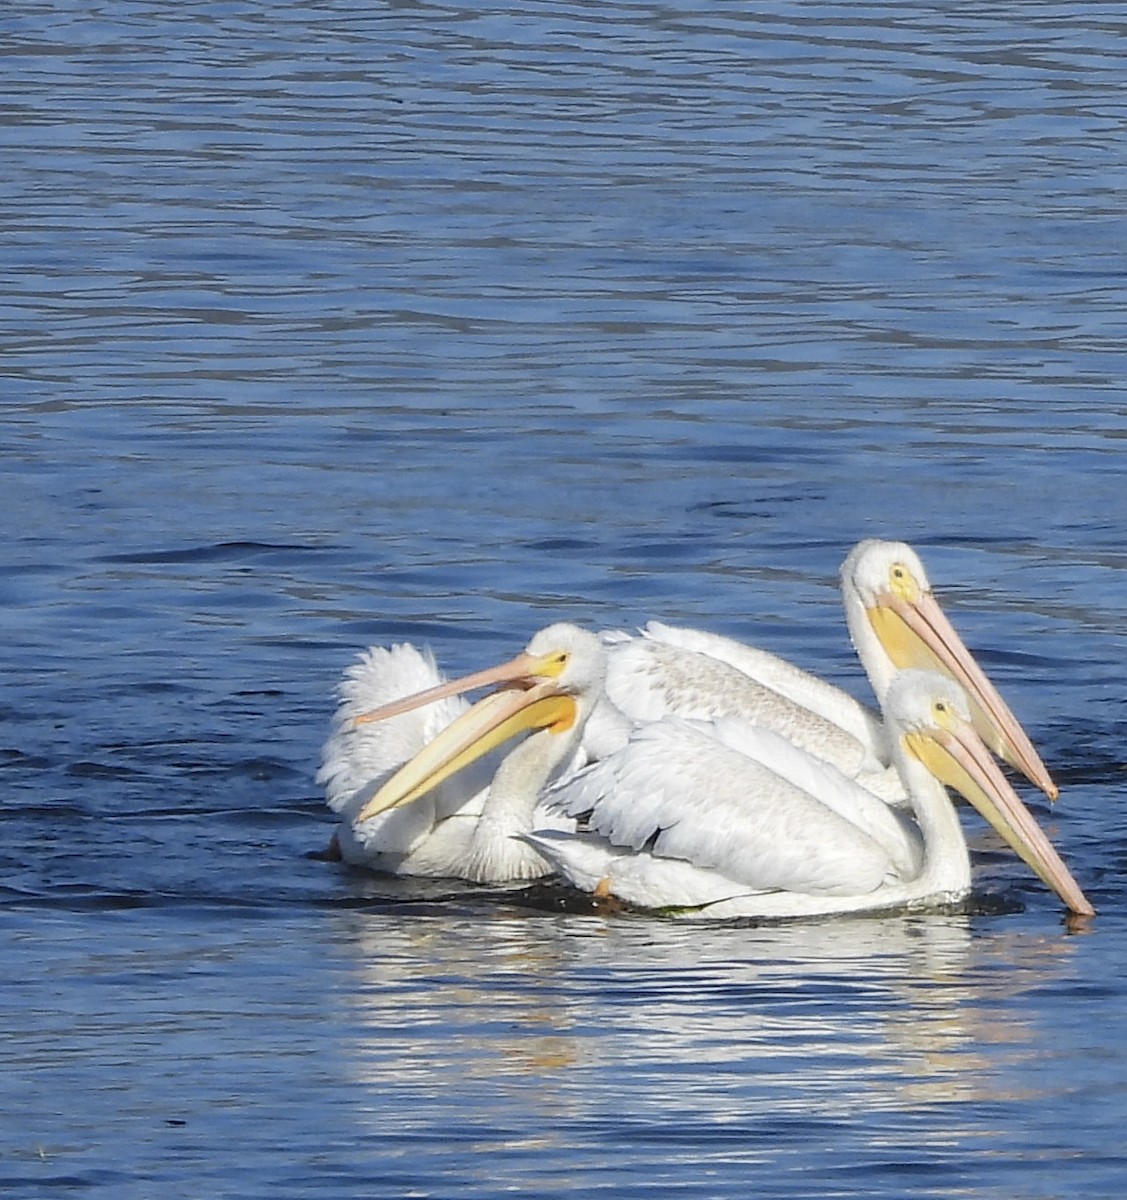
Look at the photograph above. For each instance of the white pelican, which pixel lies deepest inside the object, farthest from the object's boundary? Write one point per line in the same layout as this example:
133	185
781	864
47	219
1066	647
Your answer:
357	758
460	827
682	817
894	621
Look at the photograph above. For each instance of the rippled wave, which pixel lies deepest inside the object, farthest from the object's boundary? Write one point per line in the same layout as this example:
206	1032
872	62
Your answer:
327	323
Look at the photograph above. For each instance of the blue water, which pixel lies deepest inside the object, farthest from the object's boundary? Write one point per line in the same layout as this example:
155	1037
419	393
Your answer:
328	324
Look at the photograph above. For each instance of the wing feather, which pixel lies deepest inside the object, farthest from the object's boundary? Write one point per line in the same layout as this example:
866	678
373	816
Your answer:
801	687
649	679
895	831
678	791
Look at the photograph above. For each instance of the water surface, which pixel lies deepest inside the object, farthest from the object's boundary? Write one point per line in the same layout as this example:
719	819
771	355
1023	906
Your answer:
328	324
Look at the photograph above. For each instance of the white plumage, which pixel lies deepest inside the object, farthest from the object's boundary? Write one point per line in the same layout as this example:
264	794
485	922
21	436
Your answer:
672	672
461	827
894	621
705	794
714	823
723	819
437	834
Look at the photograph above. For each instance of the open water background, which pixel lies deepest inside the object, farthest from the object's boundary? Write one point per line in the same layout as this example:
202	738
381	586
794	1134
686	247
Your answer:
330	323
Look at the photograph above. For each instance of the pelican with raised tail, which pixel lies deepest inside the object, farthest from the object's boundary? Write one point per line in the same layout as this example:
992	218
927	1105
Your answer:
461	827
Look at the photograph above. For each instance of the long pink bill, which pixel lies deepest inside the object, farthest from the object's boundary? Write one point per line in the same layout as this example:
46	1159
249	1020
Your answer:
516	673
992	795
993	719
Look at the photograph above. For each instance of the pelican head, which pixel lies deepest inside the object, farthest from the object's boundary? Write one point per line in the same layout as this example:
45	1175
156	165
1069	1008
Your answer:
888	597
552	685
934	726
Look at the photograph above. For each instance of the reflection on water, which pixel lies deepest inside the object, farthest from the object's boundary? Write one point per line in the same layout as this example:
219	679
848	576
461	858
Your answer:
462	1051
574	1024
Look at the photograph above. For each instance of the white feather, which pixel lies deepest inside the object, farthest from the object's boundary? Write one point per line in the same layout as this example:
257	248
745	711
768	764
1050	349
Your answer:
683	792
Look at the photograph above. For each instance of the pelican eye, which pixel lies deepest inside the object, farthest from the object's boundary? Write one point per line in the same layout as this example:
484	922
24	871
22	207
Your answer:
555	663
903	583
